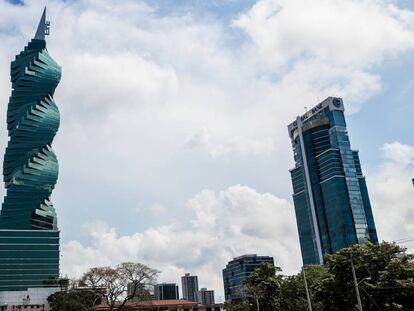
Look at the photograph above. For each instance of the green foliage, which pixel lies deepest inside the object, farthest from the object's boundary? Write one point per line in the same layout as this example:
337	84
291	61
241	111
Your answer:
292	292
73	300
263	284
236	306
385	274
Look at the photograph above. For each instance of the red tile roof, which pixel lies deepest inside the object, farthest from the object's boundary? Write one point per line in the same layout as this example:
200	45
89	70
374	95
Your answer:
153	303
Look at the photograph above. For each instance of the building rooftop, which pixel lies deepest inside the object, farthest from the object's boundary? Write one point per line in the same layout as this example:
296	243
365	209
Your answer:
314	110
154	303
245	256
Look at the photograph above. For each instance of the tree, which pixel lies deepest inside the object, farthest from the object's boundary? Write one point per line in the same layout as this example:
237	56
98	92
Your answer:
292	291
236	306
264	285
73	300
116	286
385	273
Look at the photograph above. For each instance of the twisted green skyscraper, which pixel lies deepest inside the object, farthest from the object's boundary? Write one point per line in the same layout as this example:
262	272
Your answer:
29	238
30	166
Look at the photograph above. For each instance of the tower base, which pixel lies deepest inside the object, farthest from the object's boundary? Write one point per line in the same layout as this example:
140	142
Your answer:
28	259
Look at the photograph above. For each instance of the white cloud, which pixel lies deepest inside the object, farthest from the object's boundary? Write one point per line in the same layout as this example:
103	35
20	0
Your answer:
226	224
202	139
392	193
347	32
157	209
327	47
399	154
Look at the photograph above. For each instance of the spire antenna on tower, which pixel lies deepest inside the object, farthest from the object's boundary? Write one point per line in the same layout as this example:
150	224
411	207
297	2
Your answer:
43	28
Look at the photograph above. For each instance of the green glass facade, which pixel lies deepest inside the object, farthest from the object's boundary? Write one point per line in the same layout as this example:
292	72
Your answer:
166	291
29	237
330	194
28	259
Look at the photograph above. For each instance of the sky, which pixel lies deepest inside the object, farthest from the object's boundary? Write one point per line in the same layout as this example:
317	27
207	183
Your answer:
173	146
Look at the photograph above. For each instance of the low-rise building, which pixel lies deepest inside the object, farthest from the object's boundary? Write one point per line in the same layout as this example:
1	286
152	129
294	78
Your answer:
45	307
30	299
167	305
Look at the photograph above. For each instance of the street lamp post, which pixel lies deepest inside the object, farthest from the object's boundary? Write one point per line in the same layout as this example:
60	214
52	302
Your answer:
257	303
306	289
356	286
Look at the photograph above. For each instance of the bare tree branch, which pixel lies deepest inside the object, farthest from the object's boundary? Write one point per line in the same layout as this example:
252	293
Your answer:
111	284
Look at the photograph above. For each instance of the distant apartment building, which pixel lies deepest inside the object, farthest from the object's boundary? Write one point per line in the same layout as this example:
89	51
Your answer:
189	285
330	194
140	291
205	296
166	291
236	273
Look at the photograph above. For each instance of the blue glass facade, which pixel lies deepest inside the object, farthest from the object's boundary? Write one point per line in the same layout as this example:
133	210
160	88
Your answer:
29	237
329	190
236	273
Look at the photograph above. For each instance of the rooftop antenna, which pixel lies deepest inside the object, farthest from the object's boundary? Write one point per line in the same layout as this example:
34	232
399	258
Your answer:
44	27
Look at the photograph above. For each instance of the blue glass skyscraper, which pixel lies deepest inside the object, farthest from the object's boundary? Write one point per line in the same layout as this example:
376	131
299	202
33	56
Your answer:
236	272
330	195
